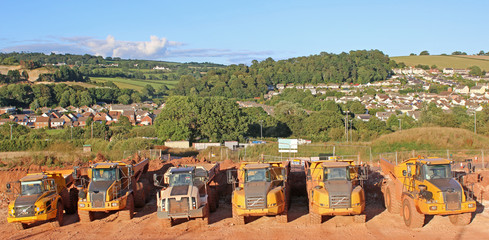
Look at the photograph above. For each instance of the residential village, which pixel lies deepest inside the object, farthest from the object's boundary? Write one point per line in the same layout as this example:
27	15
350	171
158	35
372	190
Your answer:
389	98
141	114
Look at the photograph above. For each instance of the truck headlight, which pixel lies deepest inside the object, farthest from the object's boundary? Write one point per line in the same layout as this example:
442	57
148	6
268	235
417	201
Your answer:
115	204
471	205
82	205
433	208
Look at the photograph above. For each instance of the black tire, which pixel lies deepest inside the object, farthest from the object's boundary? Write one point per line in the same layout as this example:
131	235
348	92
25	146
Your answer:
412	218
73	202
128	212
85	216
212	199
462	219
238	220
315	218
139	195
20	226
58	221
390	201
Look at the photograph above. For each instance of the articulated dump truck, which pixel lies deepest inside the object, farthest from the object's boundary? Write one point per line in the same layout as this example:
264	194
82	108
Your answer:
262	190
187	193
424	186
43	197
334	187
112	186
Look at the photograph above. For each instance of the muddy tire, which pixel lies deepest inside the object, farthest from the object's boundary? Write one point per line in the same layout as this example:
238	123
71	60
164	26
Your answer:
461	219
390	201
139	195
212	199
73	201
85	216
412	218
128	212
315	218
360	218
58	221
238	220
20	226
167	223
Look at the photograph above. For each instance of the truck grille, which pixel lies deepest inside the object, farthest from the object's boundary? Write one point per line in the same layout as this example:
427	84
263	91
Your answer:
453	200
98	200
256	202
339	201
178	207
26	211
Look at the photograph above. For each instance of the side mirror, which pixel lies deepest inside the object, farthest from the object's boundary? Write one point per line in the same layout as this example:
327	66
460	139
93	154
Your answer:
155	180
230	176
75	172
404	173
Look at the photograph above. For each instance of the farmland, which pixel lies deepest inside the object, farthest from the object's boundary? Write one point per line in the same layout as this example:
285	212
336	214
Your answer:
136	84
441	61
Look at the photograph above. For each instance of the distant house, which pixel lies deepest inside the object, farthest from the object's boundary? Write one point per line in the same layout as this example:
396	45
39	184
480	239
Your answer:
461	89
7	110
42	122
363	117
280	86
383	116
479	89
147	120
448	71
57	122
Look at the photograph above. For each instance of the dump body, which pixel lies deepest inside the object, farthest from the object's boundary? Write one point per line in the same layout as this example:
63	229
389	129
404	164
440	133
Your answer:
39	196
188	194
333	188
262	189
428	183
110	184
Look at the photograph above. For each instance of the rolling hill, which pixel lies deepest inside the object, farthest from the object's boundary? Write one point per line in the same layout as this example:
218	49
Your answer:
442	61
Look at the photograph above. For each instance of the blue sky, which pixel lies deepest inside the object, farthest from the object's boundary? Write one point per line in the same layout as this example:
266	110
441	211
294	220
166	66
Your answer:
230	32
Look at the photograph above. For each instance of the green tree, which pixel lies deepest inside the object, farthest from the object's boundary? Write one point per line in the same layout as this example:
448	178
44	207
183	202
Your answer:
425	52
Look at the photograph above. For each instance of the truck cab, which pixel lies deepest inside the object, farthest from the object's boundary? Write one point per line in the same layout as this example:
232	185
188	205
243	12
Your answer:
333	189
262	190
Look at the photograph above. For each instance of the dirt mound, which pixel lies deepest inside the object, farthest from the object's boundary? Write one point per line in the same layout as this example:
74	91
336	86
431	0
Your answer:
228	164
478	183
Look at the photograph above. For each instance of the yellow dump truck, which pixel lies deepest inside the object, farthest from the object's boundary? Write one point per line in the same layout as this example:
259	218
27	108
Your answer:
112	186
424	186
262	190
42	197
187	193
334	188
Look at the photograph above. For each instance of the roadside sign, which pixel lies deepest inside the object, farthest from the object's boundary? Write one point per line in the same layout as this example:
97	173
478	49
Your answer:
287	145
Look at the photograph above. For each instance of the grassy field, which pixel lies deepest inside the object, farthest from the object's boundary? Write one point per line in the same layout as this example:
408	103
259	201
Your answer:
136	84
460	61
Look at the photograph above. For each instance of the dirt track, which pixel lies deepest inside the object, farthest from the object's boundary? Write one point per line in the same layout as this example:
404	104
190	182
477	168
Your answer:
145	225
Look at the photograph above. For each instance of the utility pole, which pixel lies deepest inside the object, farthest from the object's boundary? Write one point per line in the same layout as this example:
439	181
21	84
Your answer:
475	122
92	130
400	125
346	125
261	129
10	131
351	130
72	132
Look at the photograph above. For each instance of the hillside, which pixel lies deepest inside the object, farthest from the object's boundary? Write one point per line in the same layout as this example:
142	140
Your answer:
429	138
33	74
458	61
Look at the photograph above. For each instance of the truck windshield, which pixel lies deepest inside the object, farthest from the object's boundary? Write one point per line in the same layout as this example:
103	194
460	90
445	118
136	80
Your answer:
339	173
31	188
437	171
180	179
103	174
257	175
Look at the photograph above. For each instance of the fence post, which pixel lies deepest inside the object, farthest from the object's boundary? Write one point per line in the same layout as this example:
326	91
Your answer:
483	165
396	157
370	155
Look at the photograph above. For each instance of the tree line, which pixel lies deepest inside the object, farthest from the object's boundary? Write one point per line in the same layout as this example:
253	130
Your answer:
241	81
